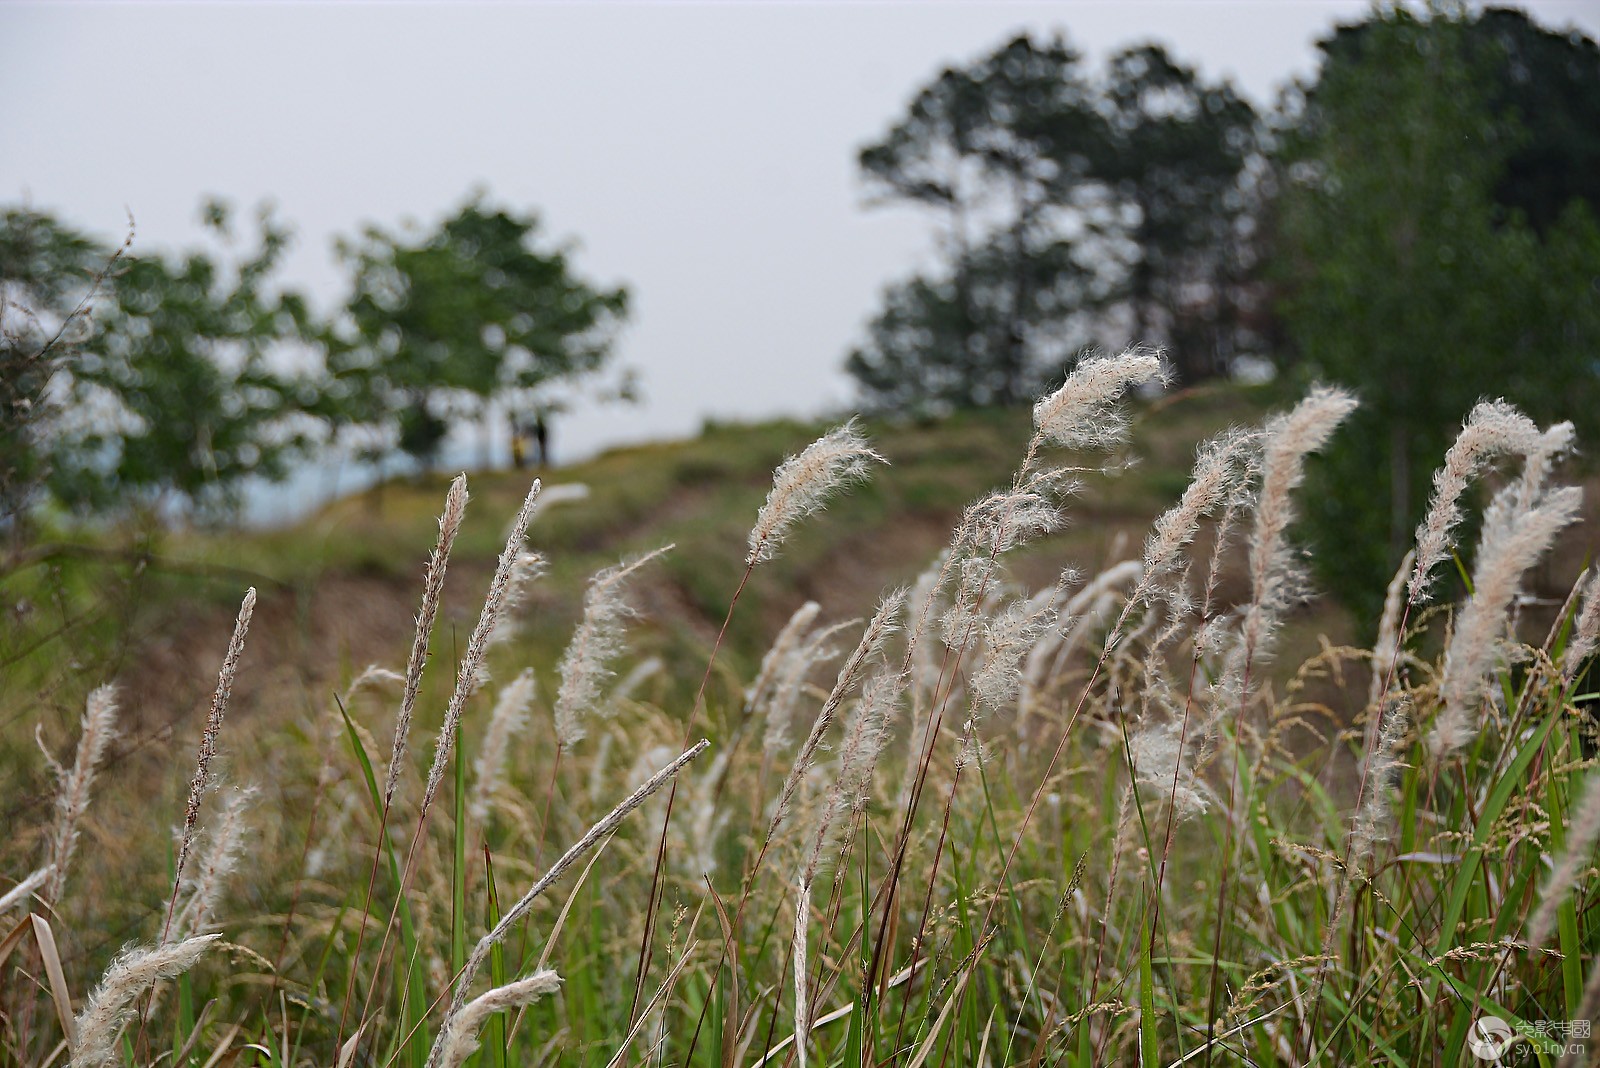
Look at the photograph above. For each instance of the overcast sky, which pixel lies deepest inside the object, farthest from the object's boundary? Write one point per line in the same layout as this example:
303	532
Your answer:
701	154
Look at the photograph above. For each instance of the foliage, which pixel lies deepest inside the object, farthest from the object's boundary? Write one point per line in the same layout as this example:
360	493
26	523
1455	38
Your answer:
47	274
1072	212
148	382
1050	905
442	325
1175	156
176	397
1405	279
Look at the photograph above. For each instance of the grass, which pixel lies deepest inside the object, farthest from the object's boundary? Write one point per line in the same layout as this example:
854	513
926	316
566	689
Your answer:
1147	853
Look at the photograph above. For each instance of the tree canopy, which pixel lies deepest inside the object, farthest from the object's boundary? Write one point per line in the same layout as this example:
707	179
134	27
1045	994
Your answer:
1073	211
1408	276
441	325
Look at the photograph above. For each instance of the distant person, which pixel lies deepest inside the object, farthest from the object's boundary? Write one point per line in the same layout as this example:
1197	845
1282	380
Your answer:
541	439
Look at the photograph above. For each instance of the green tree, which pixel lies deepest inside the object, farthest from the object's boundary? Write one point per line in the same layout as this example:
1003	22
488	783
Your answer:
442	325
1174	158
48	275
1070	212
1406	280
943	343
177	397
999	149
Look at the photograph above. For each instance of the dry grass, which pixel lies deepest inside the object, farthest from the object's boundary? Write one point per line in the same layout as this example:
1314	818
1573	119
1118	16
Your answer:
1035	817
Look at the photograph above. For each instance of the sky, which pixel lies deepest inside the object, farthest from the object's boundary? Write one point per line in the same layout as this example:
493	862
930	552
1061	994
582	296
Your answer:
702	154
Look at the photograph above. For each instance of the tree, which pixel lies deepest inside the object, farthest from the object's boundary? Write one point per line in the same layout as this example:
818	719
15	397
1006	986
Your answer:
175	398
48	274
998	149
1406	279
944	343
443	325
1070	211
1174	158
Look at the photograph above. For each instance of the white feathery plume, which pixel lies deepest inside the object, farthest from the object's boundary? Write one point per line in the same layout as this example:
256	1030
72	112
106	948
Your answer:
787	641
877	632
470	673
1513	540
371	677
1082	414
1221	467
224	846
99	728
1091	605
19	893
208	737
1372	822
1549	447
459	1038
802	485
595	642
1386	651
1159	762
1008	636
864	739
1492	428
1582	833
528	567
790	683
1289	440
111	1005
1276	579
706	820
455	508
508	719
1585	632
591	838
802	999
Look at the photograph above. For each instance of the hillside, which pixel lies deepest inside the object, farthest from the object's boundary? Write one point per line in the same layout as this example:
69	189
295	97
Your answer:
339	590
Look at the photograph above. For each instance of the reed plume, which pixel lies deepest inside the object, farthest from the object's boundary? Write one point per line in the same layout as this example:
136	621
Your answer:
1373	820
790	682
1386	650
1222	468
110	1007
591	838
877	632
1492	428
1082	414
19	893
1008	636
1585	632
224	846
208	743
802	996
459	1037
455	508
98	730
802	484
1274	576
1513	540
1582	833
469	676
596	641
509	718
783	647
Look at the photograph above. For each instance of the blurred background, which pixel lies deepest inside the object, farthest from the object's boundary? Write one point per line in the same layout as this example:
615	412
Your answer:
255	258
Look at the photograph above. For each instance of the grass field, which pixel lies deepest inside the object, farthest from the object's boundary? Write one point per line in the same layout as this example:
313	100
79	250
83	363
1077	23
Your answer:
1079	783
